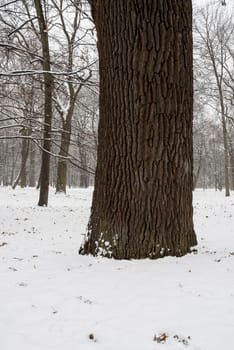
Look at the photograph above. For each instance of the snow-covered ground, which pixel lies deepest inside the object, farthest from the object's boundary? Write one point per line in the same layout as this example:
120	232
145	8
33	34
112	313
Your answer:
53	299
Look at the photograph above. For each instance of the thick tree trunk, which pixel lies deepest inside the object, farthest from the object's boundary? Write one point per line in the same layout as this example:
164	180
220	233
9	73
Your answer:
142	203
48	89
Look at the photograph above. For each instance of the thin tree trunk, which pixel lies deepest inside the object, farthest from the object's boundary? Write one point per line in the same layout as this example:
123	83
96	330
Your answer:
48	89
61	182
21	177
197	173
39	182
226	158
24	156
14	161
231	155
84	175
5	167
142	203
219	82
32	180
84	179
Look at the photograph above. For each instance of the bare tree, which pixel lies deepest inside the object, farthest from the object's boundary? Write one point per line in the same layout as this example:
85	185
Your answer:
214	30
69	89
46	45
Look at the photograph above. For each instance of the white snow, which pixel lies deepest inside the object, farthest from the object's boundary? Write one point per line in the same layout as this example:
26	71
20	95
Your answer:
53	299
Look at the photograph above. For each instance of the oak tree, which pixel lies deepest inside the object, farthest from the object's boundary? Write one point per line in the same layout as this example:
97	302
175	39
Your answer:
142	202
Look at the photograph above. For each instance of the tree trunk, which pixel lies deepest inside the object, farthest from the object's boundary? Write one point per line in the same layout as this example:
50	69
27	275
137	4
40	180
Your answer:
24	157
142	203
39	182
32	180
226	158
84	175
5	177
15	154
84	179
198	170
21	177
48	89
231	158
61	182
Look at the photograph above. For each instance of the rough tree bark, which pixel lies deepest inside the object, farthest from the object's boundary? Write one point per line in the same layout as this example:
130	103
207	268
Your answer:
48	89
142	203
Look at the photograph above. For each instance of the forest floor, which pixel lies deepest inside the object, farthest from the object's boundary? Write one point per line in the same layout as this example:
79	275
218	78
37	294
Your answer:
53	299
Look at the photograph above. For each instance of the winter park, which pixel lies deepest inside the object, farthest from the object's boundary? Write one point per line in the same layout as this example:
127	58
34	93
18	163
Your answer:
117	175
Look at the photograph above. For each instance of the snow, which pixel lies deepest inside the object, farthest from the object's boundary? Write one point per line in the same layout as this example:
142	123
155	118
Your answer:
54	299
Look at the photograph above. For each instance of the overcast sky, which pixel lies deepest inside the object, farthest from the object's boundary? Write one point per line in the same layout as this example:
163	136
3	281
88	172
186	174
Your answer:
201	3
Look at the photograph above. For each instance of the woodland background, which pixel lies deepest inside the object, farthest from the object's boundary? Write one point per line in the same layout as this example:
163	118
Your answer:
74	62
